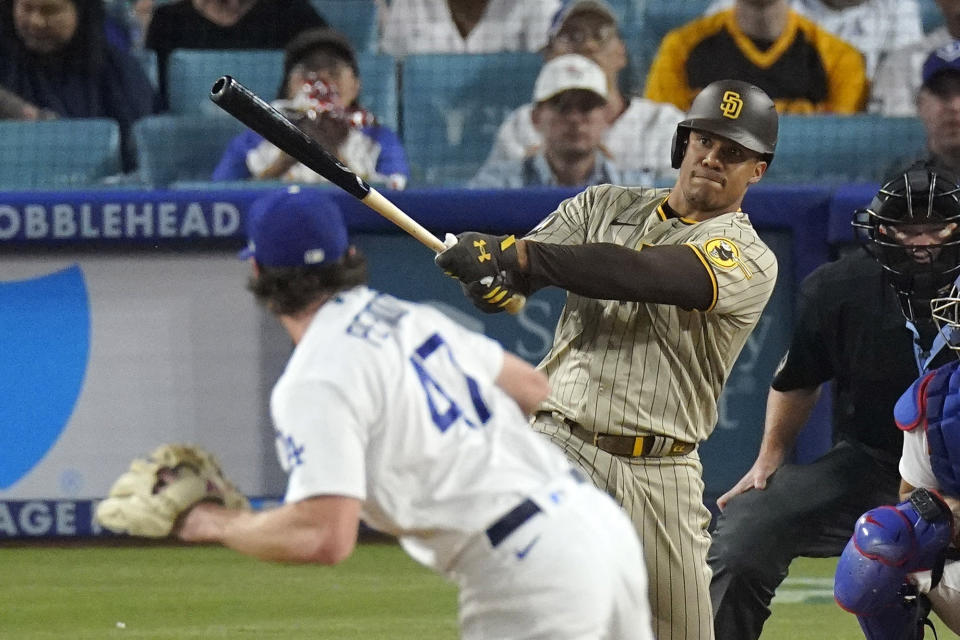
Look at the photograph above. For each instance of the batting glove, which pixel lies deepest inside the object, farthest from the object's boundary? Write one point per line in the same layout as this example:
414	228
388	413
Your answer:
475	256
490	295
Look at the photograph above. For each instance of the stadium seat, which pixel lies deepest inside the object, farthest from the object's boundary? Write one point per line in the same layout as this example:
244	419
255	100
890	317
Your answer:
930	15
171	147
191	73
378	92
356	19
452	105
836	149
646	25
56	154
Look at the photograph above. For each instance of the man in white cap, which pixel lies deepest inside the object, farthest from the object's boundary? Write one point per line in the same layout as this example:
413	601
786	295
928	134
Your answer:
639	132
569	99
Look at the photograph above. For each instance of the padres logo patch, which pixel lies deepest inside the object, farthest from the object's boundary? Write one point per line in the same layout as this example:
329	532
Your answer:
732	105
724	253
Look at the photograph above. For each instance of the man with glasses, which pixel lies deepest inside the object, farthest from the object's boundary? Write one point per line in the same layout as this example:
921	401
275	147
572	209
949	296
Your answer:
569	98
639	131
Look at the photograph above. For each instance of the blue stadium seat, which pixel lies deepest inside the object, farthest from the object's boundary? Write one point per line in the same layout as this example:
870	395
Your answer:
191	73
646	25
663	15
378	92
837	149
356	19
452	105
171	147
56	154
930	15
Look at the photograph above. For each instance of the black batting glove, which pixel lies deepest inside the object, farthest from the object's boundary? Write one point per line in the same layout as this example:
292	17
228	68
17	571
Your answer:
489	295
477	256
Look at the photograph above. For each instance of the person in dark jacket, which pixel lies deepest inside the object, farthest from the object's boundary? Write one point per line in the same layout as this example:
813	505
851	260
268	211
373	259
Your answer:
55	57
226	24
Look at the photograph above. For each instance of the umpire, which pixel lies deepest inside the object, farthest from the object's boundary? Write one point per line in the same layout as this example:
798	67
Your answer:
850	330
664	288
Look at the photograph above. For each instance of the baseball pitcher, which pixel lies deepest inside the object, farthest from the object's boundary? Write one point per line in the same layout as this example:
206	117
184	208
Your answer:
391	412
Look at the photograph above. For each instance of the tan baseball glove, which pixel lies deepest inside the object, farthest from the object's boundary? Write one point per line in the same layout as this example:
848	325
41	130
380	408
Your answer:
151	496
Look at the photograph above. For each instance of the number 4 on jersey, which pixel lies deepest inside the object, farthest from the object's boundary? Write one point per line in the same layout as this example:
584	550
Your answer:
438	396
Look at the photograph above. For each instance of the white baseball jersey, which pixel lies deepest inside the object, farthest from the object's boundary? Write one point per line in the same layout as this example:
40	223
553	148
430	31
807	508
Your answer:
638	142
394	404
915	468
426	26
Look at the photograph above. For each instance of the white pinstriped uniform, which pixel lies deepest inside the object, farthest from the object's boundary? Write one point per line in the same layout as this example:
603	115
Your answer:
630	368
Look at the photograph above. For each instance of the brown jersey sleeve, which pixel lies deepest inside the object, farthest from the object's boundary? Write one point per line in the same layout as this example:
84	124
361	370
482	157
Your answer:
659	274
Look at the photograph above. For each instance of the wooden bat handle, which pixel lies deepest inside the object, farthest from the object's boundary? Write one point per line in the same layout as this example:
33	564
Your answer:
376	201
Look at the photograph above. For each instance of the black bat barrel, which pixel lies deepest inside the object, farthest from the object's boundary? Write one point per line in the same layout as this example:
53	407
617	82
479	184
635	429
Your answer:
244	105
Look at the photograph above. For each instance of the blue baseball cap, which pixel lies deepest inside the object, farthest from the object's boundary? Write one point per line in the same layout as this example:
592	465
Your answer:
941	60
294	227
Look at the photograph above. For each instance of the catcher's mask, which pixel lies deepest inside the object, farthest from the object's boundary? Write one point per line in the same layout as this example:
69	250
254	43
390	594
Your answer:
735	110
946	314
920	266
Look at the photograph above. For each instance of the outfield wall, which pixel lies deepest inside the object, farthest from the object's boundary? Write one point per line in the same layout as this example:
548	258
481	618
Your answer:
124	323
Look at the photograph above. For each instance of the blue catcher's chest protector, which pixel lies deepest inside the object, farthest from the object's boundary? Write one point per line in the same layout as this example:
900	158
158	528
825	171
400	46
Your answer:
933	402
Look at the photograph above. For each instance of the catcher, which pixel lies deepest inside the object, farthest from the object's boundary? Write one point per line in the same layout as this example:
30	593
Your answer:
392	412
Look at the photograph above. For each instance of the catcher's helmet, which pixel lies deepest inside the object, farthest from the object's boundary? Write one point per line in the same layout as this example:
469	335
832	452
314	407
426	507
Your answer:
923	194
734	109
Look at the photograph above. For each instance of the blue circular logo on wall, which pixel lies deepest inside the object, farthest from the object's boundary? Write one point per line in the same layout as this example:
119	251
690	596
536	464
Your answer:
44	349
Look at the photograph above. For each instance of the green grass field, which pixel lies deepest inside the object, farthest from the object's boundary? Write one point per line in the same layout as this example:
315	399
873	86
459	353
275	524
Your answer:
178	593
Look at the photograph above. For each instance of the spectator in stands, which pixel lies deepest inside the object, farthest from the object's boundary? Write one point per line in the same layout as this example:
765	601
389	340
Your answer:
569	96
938	105
465	26
897	81
320	90
226	24
13	107
55	57
802	66
874	27
640	131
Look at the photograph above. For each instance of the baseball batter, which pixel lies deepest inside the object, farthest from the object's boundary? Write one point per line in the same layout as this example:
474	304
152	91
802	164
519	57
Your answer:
665	286
390	412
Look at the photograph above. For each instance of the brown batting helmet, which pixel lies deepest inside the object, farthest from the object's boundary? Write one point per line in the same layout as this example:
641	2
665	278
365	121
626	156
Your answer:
735	110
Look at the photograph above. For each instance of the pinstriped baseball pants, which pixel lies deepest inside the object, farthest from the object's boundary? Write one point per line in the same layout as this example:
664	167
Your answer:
664	499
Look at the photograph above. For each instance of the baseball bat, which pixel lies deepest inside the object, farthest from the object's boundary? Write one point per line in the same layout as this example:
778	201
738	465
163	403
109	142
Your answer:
247	107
